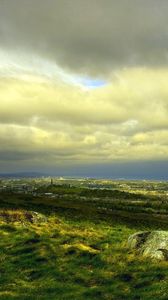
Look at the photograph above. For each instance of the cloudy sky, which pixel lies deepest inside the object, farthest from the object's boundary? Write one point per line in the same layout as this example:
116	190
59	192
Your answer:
84	87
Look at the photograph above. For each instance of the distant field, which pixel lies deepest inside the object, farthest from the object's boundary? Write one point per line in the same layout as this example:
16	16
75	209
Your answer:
77	249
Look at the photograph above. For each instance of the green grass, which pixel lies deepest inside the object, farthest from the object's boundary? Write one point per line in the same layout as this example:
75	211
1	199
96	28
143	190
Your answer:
73	256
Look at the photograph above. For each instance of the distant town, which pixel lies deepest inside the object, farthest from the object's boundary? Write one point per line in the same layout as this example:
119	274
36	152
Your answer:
38	186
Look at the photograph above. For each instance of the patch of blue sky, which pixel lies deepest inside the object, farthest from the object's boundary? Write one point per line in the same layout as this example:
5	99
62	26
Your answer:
92	83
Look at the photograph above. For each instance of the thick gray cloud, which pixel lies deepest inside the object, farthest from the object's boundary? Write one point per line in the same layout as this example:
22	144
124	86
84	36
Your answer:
50	116
91	36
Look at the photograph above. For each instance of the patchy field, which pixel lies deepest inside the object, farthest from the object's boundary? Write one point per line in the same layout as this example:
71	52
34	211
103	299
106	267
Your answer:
66	254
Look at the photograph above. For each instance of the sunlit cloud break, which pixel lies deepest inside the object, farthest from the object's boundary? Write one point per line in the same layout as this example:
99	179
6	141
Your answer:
33	68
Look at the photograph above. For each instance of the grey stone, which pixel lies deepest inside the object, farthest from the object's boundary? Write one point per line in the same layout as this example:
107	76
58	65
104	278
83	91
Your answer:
153	244
36	217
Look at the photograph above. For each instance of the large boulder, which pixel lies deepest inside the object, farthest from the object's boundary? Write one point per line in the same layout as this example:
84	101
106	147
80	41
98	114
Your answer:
153	244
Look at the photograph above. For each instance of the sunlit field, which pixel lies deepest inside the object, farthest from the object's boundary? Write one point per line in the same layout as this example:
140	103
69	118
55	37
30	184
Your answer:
68	253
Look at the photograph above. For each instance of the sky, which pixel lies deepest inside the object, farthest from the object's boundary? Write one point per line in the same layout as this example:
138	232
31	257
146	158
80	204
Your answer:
84	87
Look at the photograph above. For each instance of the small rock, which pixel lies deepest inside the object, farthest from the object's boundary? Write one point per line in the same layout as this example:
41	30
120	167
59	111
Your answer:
37	217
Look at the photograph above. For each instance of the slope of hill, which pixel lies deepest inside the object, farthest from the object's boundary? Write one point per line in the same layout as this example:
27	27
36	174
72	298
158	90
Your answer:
62	253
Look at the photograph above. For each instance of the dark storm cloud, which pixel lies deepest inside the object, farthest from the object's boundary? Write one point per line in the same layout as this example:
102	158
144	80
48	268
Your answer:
88	35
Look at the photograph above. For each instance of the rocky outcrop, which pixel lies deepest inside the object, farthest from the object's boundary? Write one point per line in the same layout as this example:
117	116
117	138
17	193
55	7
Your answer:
21	216
153	244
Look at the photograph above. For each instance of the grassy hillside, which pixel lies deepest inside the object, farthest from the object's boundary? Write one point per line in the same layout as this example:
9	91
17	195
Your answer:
69	253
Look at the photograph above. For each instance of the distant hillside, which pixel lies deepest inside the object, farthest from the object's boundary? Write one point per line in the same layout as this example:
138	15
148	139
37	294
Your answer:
21	175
